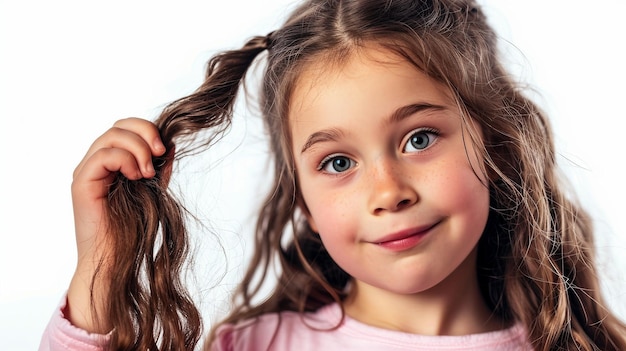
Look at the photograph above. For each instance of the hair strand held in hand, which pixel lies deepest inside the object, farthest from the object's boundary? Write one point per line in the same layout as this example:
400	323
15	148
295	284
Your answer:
150	307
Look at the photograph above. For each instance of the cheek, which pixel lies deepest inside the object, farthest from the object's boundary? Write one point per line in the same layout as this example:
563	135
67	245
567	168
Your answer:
464	190
461	193
327	213
333	218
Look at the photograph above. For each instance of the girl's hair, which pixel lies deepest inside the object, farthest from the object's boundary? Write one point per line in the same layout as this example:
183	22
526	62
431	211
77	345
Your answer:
535	264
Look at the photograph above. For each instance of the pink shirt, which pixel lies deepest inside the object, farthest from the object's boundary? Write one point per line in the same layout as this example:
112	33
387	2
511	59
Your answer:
291	331
314	332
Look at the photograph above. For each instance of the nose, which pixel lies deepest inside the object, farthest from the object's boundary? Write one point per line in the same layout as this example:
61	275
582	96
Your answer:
391	189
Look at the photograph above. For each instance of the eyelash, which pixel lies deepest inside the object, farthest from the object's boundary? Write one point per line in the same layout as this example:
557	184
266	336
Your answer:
330	158
431	140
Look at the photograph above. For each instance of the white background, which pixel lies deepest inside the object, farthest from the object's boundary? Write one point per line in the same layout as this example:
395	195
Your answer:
69	69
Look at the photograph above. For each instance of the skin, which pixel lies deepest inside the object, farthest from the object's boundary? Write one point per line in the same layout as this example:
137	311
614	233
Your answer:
363	180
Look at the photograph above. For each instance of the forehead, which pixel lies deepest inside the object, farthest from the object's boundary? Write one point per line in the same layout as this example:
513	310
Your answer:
324	70
370	81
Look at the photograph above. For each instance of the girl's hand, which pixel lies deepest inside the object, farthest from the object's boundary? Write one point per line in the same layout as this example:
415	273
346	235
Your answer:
128	148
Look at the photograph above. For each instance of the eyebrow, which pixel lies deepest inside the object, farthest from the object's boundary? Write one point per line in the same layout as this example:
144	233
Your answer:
322	136
408	110
398	115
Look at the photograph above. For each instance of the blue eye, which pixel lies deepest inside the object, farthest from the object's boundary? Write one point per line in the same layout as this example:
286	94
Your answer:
420	140
336	164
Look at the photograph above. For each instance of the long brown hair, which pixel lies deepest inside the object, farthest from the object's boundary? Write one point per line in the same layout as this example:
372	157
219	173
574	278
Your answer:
535	264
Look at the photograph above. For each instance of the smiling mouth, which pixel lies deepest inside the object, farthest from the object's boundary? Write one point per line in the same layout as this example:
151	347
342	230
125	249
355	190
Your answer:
405	239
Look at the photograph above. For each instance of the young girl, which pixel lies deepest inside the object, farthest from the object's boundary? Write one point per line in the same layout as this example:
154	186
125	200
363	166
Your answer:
416	202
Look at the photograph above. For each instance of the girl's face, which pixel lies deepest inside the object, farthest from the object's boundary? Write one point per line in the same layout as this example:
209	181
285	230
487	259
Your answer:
388	182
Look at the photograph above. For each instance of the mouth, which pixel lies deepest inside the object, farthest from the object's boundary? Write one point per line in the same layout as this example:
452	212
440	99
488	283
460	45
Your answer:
404	239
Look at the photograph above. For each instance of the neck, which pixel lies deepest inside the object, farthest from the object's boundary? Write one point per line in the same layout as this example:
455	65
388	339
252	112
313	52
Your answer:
453	307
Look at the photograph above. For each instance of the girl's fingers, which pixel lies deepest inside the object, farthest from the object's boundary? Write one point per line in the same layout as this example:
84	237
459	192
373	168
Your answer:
97	171
139	137
146	130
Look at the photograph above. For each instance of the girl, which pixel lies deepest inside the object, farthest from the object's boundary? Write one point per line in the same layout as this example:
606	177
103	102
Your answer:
416	202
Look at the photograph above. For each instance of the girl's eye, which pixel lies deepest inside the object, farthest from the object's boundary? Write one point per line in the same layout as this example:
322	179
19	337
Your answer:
336	164
420	140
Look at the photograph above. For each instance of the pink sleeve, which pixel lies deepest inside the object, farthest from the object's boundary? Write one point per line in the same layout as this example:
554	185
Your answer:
60	334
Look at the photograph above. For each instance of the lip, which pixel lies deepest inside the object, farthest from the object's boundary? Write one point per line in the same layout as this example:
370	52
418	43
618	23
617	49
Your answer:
404	239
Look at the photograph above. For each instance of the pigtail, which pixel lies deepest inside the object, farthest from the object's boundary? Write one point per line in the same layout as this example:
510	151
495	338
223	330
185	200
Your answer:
149	306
